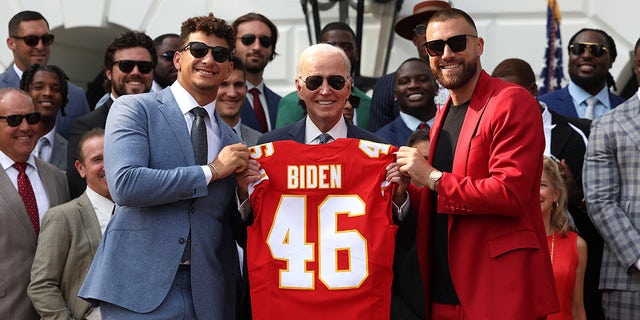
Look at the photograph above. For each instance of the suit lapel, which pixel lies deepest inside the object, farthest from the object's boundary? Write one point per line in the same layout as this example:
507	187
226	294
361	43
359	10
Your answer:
560	135
58	152
49	184
13	203
175	120
297	131
631	122
90	221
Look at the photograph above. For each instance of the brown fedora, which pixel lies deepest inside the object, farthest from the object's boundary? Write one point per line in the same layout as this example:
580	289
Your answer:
422	12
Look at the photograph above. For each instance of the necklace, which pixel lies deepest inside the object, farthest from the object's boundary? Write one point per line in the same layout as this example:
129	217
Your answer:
553	245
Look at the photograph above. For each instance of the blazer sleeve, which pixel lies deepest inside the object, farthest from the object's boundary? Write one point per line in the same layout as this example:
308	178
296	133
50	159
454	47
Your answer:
48	265
155	170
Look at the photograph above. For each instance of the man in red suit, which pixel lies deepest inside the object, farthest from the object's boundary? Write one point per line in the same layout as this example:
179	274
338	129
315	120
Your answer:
481	241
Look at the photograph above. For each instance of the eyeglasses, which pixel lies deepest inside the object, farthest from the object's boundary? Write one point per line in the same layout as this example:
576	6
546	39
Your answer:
314	82
33	40
420	30
458	43
578	48
168	55
249	39
126	66
15	120
199	50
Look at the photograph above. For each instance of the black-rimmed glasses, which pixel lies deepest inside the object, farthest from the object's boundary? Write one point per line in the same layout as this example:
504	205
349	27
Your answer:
199	50
33	40
314	82
249	39
126	66
578	48
457	43
15	120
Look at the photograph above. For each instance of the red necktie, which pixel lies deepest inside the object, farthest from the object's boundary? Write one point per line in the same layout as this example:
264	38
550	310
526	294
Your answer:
28	197
257	108
423	126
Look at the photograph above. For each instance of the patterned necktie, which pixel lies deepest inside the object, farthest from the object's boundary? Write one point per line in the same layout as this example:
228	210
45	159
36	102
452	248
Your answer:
257	108
28	197
199	135
591	105
423	126
324	138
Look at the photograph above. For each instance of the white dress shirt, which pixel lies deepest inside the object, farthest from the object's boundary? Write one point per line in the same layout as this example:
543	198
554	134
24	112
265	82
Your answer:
34	177
103	208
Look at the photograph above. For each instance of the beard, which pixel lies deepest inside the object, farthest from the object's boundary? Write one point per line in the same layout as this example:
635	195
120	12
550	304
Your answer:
586	83
120	87
469	69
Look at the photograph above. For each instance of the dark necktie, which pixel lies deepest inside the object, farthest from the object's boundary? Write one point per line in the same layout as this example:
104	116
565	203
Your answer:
423	126
28	197
199	135
257	108
324	138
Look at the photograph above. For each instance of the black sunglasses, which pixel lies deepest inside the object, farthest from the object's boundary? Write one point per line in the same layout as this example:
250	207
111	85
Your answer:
249	39
199	50
578	48
314	82
33	40
126	66
435	48
168	55
420	30
15	120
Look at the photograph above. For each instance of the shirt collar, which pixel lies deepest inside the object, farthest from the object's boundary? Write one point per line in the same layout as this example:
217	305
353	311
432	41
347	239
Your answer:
186	102
98	201
579	95
50	136
18	71
412	122
312	132
259	86
6	162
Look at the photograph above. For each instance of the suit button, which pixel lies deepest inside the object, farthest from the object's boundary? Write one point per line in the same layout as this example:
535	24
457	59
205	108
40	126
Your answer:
193	209
181	241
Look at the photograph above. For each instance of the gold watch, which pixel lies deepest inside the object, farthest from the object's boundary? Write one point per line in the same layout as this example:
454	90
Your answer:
434	177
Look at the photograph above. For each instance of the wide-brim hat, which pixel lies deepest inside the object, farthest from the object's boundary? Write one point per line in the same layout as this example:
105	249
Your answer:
422	12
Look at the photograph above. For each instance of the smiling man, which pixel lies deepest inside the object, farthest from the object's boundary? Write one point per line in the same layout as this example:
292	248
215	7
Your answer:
128	64
484	254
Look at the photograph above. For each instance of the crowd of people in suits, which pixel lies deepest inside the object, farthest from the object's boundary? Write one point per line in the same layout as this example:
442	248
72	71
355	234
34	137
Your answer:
509	205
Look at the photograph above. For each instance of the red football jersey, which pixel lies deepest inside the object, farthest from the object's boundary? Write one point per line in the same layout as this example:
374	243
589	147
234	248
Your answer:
322	242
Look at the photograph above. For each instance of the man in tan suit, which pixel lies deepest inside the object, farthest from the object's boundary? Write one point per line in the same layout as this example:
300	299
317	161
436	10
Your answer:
44	186
70	235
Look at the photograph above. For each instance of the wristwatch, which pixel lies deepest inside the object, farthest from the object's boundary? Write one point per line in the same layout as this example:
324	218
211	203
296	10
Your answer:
434	177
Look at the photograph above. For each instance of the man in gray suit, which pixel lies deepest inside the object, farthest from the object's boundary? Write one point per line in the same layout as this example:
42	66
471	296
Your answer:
69	238
47	86
611	180
24	198
30	41
231	94
169	251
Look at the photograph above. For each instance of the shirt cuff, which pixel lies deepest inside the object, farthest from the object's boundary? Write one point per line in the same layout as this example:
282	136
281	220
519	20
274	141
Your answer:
207	173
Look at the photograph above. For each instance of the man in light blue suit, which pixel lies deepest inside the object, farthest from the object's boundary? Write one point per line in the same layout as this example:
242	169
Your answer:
169	251
30	41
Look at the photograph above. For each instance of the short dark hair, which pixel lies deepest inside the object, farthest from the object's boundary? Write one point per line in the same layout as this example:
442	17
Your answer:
446	14
418	60
208	24
158	40
95	132
332	26
14	23
635	48
418	135
611	45
515	67
27	80
252	16
238	65
129	39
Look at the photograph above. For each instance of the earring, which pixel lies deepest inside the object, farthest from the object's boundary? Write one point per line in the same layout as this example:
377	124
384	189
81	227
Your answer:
554	205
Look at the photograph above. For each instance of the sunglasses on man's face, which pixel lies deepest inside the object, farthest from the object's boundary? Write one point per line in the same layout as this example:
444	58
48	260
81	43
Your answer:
596	49
15	120
126	66
249	39
200	50
435	48
33	40
420	30
314	82
168	55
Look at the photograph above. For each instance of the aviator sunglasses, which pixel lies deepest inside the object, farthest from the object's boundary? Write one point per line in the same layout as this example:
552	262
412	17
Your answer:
578	48
15	120
249	39
199	50
126	66
32	40
168	55
435	48
314	82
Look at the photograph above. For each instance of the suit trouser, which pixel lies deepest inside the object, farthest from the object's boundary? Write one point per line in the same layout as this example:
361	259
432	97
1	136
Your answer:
618	304
178	304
